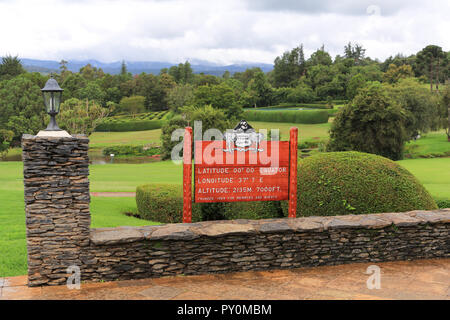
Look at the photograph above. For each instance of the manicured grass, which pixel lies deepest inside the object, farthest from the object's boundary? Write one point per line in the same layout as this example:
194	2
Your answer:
104	139
432	144
433	173
305	131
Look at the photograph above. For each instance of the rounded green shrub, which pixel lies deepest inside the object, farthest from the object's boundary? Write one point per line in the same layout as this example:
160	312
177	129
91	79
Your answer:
253	210
163	203
339	183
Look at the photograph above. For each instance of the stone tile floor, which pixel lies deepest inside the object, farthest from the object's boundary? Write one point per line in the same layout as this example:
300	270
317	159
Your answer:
420	279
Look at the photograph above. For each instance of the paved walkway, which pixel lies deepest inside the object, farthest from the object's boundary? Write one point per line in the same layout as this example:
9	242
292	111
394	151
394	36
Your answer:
421	279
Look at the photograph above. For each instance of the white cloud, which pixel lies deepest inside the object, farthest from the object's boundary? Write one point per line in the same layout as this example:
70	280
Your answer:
219	31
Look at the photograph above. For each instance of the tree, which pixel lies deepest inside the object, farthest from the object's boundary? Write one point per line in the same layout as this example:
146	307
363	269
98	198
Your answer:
182	73
72	85
209	116
93	92
421	106
371	123
394	73
179	96
356	52
10	67
261	89
6	137
301	94
430	58
219	96
63	70
123	69
21	106
81	117
355	83
289	67
320	57
132	105
444	111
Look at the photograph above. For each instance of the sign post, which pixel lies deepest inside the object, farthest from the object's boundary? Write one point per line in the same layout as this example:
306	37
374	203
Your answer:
293	172
243	167
187	176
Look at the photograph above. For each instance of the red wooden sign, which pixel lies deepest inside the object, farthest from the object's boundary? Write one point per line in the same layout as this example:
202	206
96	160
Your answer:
267	172
241	176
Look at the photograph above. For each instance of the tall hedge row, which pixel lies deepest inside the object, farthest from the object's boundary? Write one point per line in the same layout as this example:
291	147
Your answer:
297	116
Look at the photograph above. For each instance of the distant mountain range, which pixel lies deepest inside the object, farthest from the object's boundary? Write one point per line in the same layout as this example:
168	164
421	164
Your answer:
136	67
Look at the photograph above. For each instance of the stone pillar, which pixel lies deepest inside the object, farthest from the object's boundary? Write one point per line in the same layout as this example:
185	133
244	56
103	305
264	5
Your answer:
57	199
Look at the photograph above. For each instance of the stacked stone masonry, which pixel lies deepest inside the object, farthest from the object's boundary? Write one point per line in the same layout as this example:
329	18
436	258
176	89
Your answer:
57	208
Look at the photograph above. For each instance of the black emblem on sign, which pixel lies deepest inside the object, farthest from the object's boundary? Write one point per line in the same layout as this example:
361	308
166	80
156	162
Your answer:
242	137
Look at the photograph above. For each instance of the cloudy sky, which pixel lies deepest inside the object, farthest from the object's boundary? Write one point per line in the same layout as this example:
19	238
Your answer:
227	31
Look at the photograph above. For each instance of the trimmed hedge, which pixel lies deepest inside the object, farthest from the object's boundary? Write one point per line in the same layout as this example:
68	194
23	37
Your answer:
298	105
163	203
339	183
443	204
294	116
128	125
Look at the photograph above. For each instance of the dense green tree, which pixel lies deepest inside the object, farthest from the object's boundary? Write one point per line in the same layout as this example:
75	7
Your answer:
21	106
394	73
355	52
246	76
219	96
91	73
10	67
289	67
179	96
6	137
72	85
301	94
356	82
205	79
444	111
372	123
183	73
320	56
260	87
431	59
80	117
422	107
92	92
132	105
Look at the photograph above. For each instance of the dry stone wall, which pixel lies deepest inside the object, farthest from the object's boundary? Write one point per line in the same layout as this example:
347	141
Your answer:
59	234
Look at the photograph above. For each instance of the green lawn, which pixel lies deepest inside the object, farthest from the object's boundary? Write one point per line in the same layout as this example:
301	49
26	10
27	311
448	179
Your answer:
305	131
433	173
104	139
432	144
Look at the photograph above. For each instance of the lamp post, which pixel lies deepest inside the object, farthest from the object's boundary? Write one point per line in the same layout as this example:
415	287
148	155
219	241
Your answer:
52	94
52	98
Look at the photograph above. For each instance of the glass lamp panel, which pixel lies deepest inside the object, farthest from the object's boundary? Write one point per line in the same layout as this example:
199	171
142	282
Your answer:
48	101
57	100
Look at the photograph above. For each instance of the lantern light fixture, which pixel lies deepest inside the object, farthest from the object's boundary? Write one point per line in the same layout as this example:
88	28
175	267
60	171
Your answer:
52	94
